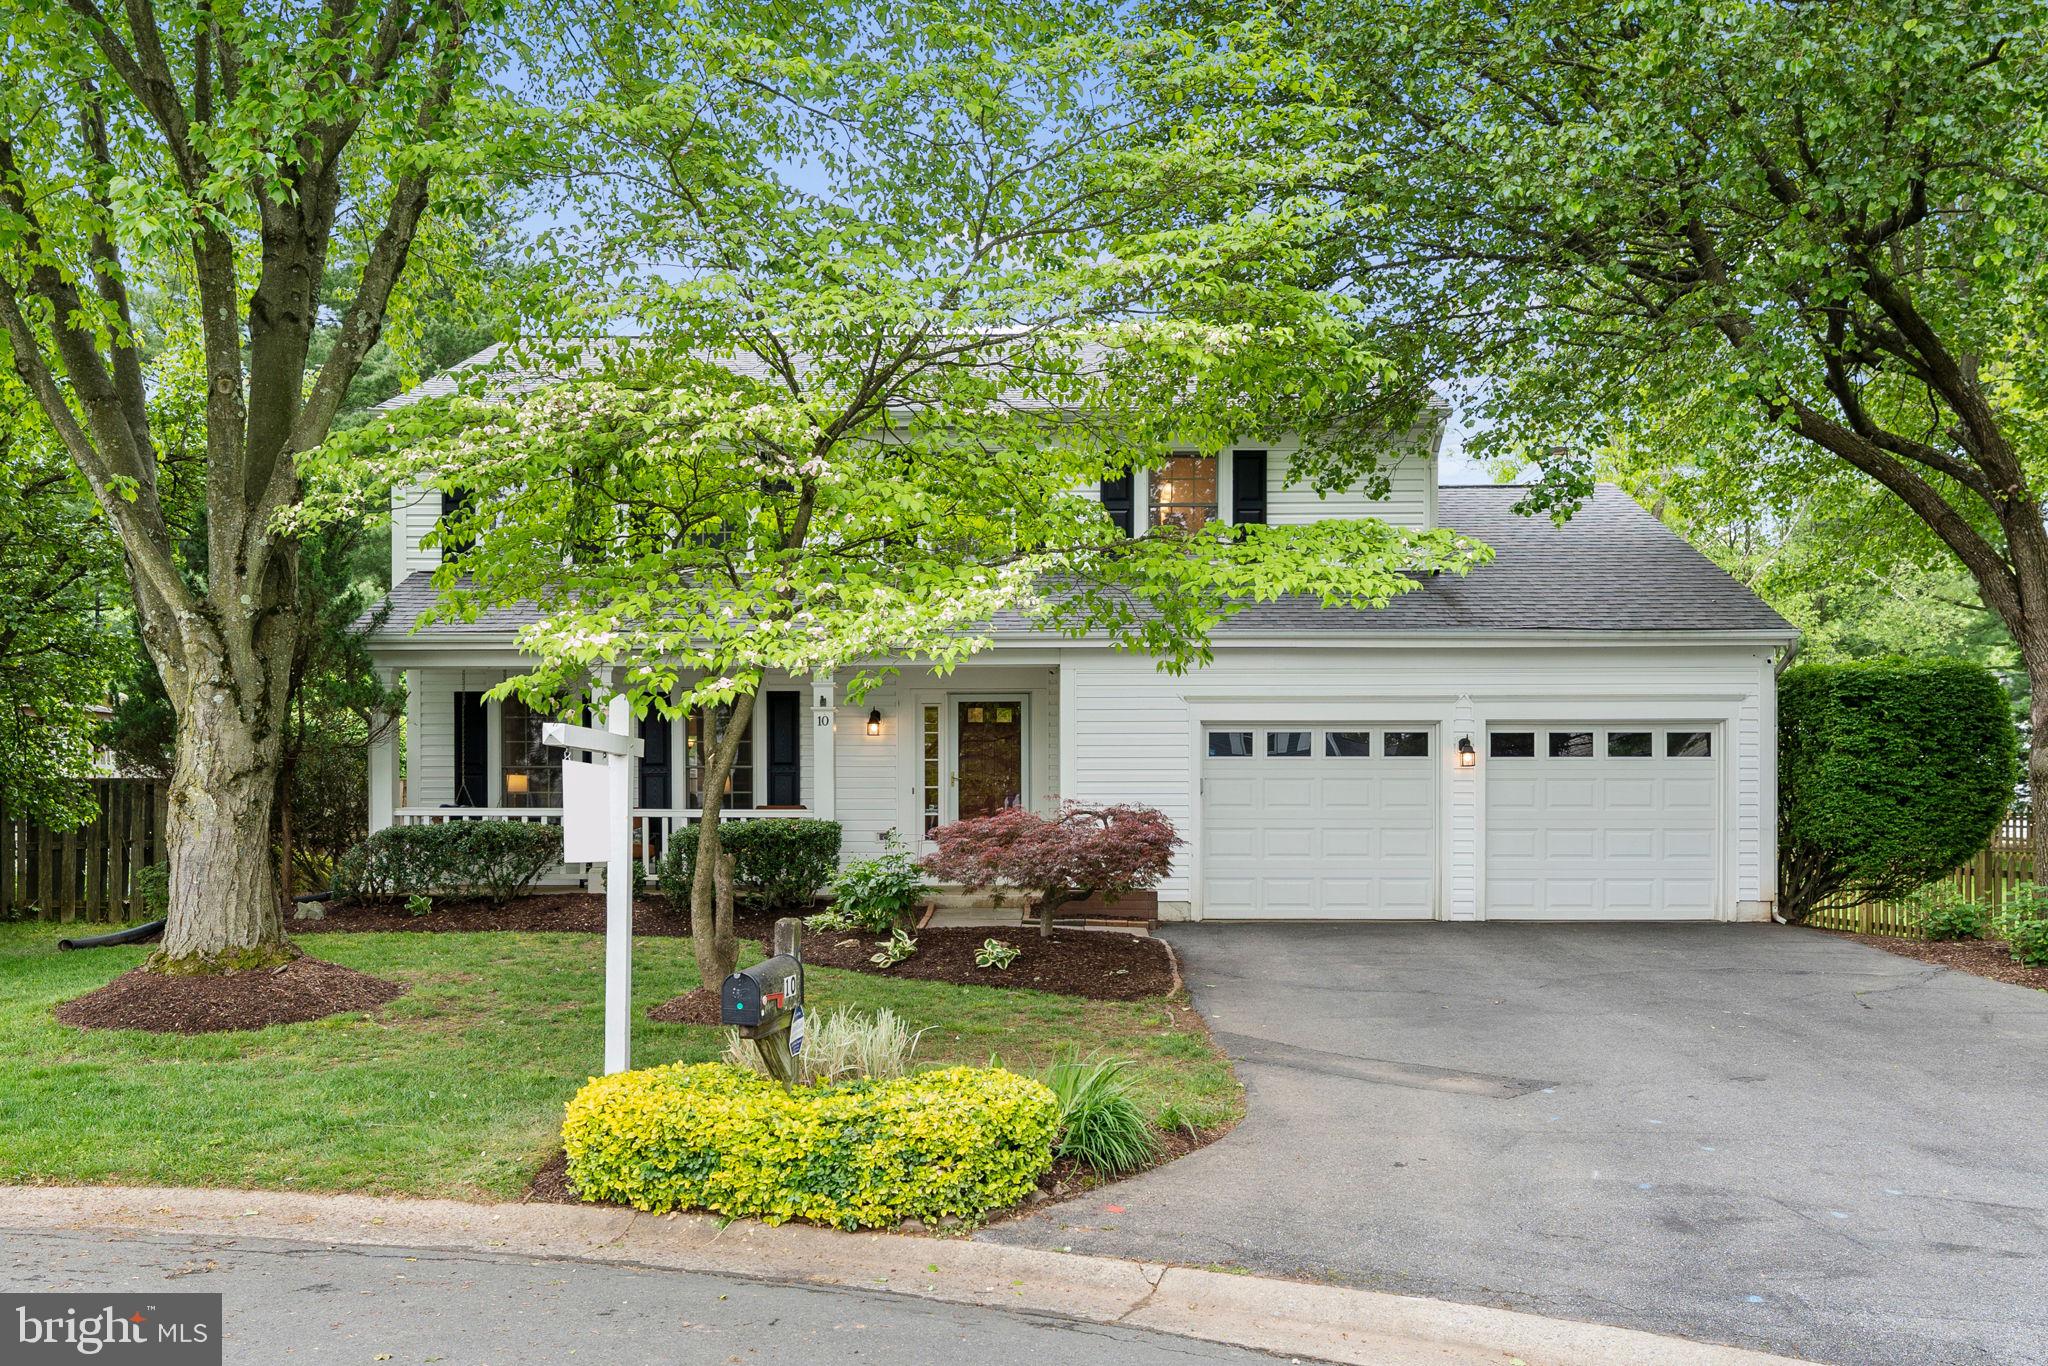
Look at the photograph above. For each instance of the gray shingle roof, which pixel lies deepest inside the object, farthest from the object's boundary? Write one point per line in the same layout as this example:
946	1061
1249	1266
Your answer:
1613	567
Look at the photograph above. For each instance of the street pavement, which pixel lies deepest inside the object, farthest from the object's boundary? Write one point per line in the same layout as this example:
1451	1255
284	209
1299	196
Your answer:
290	1302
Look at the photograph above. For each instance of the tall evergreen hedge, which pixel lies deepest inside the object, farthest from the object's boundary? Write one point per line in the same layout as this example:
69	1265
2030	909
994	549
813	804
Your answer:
1890	774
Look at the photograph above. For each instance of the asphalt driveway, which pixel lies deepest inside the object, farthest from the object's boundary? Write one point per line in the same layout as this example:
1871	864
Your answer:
1745	1134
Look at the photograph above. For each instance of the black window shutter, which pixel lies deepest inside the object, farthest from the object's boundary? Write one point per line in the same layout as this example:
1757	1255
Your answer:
472	750
1116	500
452	502
785	749
1248	487
657	774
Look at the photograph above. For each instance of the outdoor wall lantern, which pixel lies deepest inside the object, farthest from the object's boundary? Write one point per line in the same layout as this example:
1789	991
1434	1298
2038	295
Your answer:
875	722
1468	757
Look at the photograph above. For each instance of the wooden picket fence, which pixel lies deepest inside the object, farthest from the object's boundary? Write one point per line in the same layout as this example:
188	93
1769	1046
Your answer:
87	873
2003	864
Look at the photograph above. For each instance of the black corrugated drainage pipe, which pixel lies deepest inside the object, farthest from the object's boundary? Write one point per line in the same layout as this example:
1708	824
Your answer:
129	936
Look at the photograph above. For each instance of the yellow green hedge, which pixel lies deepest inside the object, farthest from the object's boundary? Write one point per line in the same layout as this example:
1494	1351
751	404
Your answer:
961	1141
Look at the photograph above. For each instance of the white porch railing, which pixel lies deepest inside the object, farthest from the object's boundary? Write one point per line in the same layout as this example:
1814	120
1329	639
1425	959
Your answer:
652	826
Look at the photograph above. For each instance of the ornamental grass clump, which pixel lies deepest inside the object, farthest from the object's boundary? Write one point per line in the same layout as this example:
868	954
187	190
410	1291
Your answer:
842	1045
960	1142
1100	1124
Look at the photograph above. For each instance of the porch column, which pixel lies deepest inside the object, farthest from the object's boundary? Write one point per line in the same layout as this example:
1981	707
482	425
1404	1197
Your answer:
824	748
384	760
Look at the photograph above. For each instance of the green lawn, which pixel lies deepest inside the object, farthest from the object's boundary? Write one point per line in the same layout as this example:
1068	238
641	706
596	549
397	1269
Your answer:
455	1088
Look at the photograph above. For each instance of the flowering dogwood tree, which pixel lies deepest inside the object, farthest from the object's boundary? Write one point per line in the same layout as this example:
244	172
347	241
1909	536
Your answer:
866	407
1084	851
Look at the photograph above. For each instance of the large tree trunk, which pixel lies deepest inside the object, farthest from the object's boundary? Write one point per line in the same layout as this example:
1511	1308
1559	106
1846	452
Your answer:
228	676
2037	762
711	929
2025	612
224	908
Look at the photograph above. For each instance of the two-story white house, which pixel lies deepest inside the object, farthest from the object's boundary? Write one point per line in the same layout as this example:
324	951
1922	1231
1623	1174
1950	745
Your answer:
1583	730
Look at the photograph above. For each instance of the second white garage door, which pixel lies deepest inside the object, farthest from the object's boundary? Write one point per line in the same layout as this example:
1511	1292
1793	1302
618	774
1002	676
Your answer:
1315	823
1600	822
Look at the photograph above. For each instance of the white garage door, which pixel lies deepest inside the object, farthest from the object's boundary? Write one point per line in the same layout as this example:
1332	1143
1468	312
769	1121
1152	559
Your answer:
1598	822
1313	823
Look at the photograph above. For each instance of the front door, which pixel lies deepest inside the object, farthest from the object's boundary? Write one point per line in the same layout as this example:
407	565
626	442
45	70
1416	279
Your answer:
989	755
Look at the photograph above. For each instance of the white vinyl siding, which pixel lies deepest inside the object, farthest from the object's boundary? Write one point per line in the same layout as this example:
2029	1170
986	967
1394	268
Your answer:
878	783
1409	500
413	514
1135	732
870	803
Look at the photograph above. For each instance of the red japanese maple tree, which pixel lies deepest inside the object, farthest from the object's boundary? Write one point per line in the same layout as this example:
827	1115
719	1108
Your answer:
1081	852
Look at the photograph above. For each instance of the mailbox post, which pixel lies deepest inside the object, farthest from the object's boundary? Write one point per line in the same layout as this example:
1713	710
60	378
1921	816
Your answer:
766	1002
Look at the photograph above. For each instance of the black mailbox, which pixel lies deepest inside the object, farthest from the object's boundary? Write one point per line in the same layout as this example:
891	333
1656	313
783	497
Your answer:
762	995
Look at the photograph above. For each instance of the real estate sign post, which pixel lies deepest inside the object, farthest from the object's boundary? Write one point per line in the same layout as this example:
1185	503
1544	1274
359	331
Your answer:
597	827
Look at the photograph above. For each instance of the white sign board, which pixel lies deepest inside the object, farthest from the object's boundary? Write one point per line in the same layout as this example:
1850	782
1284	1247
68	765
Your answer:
597	827
586	812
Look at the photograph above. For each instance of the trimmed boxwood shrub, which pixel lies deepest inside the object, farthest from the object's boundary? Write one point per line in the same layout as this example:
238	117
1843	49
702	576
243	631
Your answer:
1891	773
960	1141
778	864
495	860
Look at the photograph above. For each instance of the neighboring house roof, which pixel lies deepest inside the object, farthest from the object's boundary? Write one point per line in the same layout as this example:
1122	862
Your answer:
1612	567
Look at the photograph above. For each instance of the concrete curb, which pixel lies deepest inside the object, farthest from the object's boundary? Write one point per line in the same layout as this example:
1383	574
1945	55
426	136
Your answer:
1328	1323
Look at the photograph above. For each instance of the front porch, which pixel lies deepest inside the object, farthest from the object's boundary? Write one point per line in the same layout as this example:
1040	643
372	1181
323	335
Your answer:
917	752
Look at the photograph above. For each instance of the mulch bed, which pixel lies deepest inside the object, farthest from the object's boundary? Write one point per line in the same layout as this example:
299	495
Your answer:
1983	957
699	1007
550	1184
573	912
303	989
1102	965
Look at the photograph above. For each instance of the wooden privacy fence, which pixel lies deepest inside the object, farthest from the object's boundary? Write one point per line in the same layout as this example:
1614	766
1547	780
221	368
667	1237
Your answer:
87	873
2002	865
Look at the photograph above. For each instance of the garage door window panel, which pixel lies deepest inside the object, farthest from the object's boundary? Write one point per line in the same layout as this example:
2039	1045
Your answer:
1571	744
1629	744
1689	744
1230	744
1287	744
1347	744
1512	744
1406	744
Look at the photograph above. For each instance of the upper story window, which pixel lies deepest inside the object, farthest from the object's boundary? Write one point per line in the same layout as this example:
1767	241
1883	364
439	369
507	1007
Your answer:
1184	491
